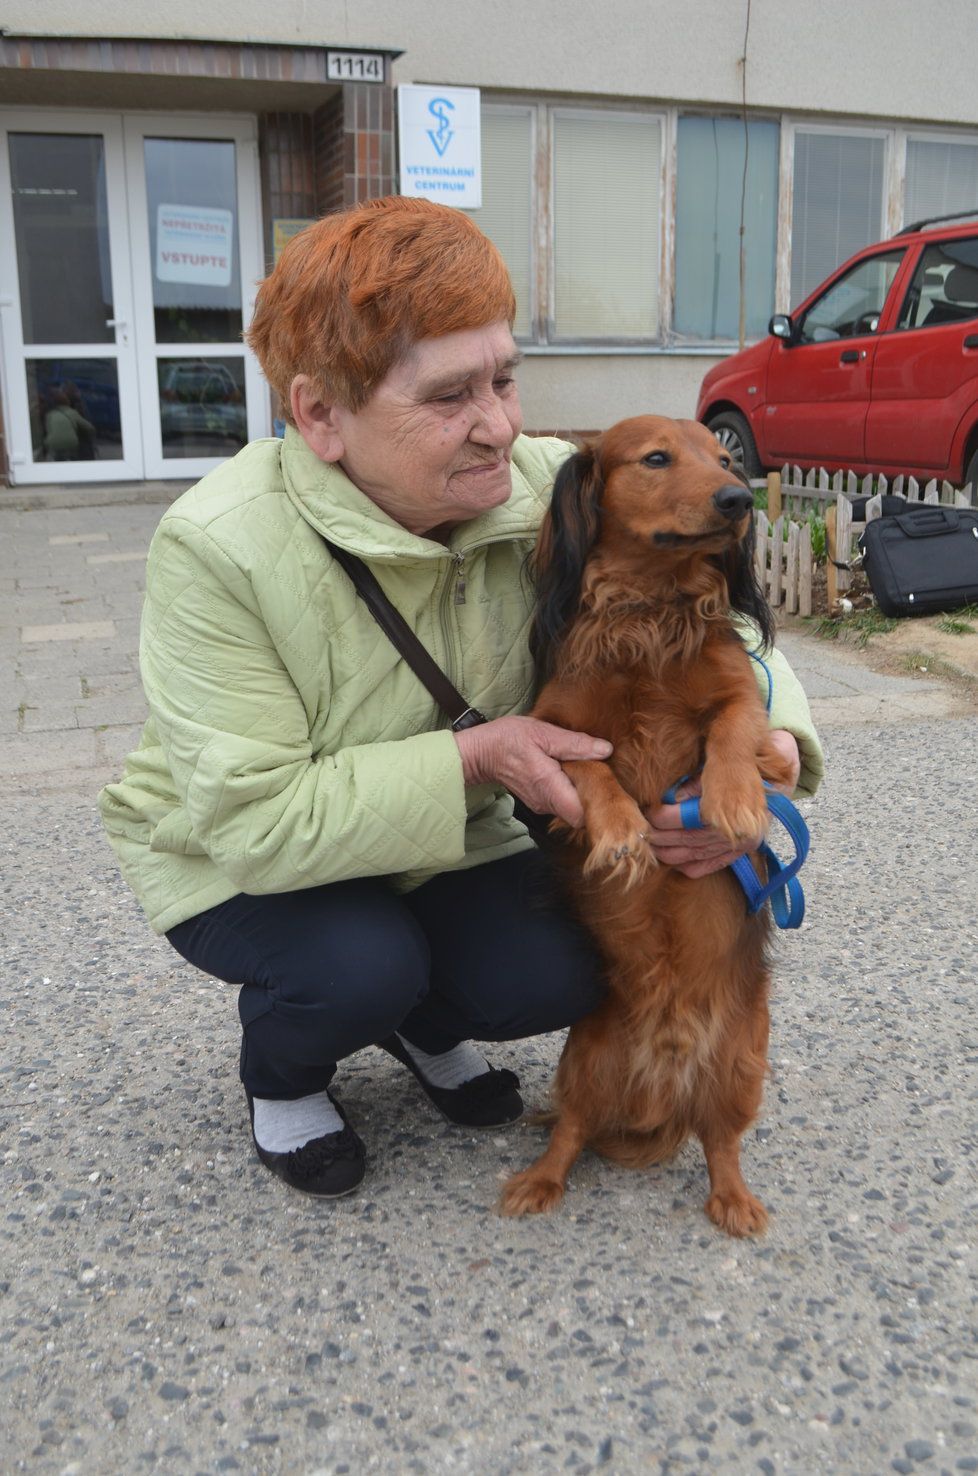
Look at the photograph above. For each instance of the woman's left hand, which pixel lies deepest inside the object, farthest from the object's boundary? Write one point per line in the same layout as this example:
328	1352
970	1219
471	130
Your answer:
699	852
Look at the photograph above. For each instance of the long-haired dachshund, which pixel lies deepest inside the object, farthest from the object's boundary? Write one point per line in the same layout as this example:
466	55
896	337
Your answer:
646	551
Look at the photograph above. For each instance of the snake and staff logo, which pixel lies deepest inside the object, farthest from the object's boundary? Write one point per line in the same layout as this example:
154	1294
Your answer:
441	136
440	144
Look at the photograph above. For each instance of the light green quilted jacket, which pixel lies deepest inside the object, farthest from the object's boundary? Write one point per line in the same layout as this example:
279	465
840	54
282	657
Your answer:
288	744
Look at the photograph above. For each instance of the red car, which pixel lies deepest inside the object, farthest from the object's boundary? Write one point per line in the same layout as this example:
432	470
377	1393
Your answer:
877	370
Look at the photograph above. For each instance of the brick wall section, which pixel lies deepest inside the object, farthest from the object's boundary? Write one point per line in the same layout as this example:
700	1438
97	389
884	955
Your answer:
330	155
355	146
288	169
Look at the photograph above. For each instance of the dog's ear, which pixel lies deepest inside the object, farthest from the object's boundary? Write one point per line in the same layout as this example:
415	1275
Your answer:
746	594
567	536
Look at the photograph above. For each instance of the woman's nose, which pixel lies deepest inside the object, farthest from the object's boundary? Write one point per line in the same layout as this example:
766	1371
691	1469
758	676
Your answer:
492	425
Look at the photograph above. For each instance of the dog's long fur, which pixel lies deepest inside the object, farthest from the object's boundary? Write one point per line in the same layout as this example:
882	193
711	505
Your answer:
645	551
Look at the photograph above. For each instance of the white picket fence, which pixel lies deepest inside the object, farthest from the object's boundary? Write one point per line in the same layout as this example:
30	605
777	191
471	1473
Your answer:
783	561
793	491
803	492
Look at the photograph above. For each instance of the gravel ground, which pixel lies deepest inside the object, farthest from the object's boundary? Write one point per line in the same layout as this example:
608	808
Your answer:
169	1306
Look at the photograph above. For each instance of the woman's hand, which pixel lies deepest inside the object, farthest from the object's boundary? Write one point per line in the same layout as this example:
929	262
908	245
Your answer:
524	755
699	852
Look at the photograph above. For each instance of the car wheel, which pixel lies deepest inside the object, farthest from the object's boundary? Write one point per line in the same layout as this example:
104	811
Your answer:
734	435
971	475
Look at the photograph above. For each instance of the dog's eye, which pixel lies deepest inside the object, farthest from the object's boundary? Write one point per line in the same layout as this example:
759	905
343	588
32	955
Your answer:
656	458
725	462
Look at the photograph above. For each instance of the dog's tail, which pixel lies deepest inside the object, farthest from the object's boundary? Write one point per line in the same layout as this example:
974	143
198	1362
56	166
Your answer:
638	1150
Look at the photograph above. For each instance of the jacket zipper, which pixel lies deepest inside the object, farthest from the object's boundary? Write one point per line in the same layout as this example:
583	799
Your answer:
453	594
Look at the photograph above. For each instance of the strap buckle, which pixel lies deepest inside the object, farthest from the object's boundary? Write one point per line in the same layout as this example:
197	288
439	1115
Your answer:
470	718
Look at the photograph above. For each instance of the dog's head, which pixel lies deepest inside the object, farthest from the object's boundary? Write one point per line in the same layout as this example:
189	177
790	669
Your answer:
659	496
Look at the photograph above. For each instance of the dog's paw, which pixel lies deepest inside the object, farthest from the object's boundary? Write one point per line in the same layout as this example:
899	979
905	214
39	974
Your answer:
737	1212
620	846
529	1194
736	806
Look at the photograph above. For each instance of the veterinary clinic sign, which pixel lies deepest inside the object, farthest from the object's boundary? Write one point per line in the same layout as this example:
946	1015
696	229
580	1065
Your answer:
440	144
194	244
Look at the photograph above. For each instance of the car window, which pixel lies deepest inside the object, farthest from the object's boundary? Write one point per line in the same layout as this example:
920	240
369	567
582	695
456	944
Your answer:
944	288
852	305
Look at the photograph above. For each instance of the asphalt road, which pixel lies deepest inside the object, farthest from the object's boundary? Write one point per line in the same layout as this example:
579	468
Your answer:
167	1306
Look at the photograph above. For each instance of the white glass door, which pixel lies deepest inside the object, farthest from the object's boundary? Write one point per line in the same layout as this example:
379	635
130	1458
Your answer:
66	322
195	231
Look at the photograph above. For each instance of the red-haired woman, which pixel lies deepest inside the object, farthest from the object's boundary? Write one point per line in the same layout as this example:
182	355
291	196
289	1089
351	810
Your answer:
299	818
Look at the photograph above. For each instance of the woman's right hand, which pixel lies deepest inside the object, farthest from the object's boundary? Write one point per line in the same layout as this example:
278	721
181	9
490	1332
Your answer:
524	755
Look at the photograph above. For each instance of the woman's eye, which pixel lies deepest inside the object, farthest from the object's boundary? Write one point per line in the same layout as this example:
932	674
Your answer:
501	385
656	458
451	399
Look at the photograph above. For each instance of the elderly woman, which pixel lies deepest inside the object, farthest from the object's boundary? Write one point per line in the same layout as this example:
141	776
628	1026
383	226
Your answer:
299	818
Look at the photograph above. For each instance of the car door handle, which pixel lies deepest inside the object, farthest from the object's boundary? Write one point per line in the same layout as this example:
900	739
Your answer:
850	356
971	341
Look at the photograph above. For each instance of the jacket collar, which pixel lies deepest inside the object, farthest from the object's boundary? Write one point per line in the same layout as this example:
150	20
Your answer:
328	500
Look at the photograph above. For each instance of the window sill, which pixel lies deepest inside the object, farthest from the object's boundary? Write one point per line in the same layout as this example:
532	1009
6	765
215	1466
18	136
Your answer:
628	350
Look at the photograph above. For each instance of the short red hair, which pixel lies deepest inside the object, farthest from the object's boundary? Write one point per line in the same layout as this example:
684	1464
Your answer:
350	294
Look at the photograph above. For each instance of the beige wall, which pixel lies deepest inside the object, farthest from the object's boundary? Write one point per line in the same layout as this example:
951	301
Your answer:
860	57
561	391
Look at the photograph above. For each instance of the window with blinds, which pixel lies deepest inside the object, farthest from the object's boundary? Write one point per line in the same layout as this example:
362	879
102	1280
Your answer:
507	200
837	203
941	178
607	190
709	181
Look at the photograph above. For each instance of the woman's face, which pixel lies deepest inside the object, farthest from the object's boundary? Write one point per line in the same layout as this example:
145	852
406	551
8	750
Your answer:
432	445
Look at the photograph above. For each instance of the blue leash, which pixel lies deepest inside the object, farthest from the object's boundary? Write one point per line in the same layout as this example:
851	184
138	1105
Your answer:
782	887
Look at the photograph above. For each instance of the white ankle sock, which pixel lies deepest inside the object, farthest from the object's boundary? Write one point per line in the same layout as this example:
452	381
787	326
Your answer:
451	1068
282	1126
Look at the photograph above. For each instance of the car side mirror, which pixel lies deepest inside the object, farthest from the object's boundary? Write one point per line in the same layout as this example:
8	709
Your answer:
782	327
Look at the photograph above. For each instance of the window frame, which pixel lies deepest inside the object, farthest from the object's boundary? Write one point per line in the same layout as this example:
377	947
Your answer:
543	339
510	109
560	110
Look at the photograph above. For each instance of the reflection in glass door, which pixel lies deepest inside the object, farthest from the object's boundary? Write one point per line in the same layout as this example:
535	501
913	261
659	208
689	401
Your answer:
196	260
69	362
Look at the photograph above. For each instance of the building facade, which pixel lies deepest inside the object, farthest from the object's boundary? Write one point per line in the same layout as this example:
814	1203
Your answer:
660	179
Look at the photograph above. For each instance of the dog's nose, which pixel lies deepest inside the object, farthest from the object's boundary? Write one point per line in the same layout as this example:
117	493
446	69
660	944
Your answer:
733	501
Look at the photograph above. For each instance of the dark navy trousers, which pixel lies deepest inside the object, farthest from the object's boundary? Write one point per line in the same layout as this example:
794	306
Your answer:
485	954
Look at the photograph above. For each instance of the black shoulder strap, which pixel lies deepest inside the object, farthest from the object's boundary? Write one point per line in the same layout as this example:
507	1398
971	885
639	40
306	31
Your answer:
402	637
428	672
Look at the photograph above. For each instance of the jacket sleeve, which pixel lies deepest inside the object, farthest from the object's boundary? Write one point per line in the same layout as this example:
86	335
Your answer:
789	709
271	814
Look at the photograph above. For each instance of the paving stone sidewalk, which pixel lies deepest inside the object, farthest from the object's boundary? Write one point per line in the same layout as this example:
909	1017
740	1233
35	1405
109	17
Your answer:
167	1306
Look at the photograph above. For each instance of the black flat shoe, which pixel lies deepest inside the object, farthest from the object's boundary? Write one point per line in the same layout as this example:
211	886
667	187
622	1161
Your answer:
487	1101
326	1167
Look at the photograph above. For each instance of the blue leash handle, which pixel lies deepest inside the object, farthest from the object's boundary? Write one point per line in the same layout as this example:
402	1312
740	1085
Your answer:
782	887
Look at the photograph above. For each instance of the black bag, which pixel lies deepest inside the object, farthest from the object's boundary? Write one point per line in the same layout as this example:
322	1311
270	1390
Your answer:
922	561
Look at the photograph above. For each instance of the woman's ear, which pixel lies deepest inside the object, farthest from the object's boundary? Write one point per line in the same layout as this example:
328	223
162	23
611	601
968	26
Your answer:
315	419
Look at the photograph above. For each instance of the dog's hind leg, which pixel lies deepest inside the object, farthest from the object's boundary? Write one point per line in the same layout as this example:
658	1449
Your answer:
540	1188
731	1206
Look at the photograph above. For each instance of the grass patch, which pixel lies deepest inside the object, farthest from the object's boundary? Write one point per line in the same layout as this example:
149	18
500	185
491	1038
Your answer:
856	628
952	625
819	545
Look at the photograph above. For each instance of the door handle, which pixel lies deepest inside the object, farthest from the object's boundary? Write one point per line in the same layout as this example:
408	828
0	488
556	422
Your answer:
971	341
116	323
850	356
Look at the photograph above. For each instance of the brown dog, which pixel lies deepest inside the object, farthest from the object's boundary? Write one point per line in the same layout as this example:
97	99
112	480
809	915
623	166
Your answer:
645	552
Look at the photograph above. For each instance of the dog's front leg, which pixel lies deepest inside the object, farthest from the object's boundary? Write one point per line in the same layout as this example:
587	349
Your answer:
733	797
616	829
